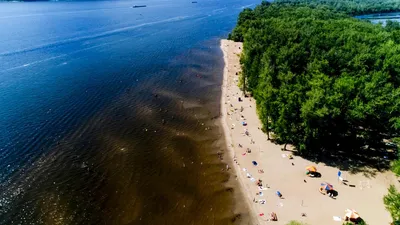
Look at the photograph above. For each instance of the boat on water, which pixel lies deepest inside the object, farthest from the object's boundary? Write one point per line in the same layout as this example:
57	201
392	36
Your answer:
194	2
139	6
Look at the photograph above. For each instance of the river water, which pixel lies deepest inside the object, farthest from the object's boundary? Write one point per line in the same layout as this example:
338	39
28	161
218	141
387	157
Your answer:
109	114
381	17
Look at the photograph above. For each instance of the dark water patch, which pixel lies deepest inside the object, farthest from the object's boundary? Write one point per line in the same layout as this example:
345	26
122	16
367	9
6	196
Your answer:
127	166
105	120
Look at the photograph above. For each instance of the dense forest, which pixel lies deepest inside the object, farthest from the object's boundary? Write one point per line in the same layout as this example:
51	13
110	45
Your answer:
324	81
352	7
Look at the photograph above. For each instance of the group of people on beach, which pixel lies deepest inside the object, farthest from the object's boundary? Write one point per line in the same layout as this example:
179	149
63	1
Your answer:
272	216
239	112
241	128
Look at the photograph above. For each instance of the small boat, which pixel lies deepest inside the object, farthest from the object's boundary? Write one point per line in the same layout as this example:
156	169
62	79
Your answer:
138	6
194	2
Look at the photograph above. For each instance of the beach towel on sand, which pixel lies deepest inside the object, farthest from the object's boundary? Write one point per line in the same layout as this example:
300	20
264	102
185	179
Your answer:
337	218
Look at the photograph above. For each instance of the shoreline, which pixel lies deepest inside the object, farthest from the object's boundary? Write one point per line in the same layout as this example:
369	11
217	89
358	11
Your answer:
228	139
279	173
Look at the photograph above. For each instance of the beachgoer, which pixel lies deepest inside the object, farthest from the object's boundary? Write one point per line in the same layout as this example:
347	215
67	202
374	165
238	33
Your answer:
273	217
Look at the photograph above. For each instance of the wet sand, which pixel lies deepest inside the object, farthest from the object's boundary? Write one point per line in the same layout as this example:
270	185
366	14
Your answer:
301	200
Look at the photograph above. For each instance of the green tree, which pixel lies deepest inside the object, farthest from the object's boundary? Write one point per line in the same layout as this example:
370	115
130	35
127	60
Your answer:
321	79
352	7
396	167
392	202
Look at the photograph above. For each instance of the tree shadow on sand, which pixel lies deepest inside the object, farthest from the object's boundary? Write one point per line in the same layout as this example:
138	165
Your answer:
354	158
366	160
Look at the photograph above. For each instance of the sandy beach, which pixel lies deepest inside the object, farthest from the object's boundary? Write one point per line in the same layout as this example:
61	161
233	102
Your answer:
301	200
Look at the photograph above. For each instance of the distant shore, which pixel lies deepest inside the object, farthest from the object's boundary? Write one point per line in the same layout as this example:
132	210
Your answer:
254	157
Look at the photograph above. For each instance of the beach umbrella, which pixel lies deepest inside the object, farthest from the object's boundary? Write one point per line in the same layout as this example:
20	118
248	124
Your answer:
327	186
352	214
311	168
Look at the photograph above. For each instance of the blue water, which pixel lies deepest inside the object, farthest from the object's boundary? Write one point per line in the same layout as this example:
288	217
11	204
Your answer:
381	17
82	83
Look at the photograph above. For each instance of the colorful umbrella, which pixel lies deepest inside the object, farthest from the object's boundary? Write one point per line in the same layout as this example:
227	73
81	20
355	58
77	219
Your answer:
311	168
352	214
327	186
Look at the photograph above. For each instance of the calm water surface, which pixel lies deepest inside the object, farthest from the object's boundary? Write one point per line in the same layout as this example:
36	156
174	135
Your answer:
381	17
108	113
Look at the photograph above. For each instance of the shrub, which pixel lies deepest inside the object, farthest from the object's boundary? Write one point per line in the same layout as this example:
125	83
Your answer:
396	167
293	222
392	203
